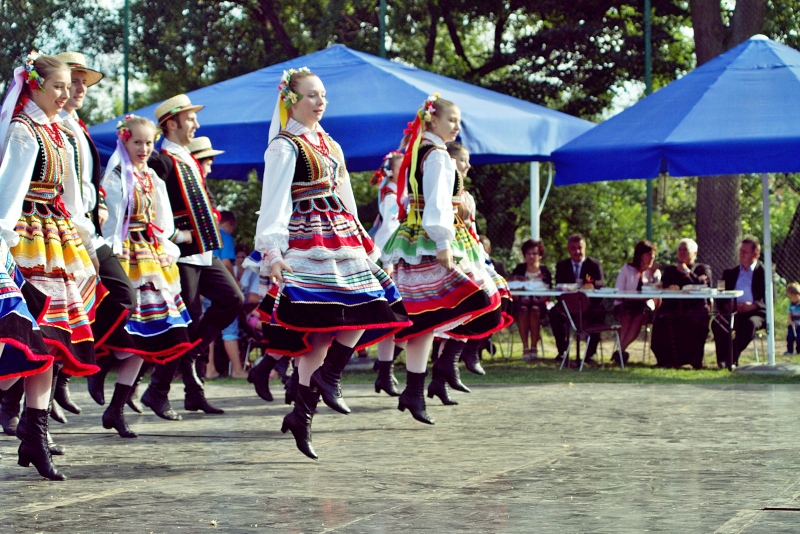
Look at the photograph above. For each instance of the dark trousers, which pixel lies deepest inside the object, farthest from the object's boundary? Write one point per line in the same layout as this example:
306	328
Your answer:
114	278
792	343
745	326
559	324
215	283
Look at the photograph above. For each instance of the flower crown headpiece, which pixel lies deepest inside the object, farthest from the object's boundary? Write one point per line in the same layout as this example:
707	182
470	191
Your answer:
289	97
385	170
427	111
124	131
32	78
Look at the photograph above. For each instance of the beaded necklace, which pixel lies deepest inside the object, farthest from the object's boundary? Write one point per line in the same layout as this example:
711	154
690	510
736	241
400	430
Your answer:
322	147
54	134
145	180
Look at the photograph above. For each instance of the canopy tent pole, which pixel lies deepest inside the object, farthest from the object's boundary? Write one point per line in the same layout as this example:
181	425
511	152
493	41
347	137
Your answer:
535	211
768	278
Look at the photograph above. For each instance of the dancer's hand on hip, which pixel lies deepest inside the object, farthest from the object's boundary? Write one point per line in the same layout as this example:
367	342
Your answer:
445	258
277	269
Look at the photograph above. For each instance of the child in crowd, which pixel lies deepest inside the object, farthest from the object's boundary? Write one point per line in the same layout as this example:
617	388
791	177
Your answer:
792	342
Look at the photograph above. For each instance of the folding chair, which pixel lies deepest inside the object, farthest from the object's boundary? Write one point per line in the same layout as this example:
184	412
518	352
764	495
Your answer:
577	305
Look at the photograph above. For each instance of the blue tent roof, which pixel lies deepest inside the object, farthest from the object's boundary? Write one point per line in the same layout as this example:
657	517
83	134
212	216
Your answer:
739	113
371	101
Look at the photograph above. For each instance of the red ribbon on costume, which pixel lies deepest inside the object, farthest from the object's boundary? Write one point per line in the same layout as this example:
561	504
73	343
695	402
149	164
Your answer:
402	178
150	228
60	207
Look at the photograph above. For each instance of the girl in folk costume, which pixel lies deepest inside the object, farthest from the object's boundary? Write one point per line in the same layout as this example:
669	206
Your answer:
42	220
430	253
385	225
478	331
329	289
139	224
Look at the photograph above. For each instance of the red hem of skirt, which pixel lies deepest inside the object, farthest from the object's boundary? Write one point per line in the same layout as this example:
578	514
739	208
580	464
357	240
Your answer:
378	340
47	358
470	316
185	347
371	326
123	317
76	368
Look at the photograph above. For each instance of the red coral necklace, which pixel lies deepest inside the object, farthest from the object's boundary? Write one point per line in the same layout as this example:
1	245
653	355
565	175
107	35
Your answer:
54	134
322	147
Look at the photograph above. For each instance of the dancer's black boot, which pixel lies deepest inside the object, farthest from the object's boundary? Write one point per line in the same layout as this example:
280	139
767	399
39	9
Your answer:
471	356
447	364
259	377
57	414
413	397
95	383
114	417
33	449
386	380
10	402
291	386
156	396
299	420
195	393
61	393
133	399
438	387
327	379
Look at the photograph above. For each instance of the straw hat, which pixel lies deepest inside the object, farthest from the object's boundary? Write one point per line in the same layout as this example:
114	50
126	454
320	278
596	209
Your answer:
76	61
173	106
200	147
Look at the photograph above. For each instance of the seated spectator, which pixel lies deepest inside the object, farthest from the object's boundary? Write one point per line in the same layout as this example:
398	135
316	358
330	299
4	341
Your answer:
633	313
680	327
750	309
792	341
528	311
588	273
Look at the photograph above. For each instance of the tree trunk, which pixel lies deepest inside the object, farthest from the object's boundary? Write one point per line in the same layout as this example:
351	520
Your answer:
718	220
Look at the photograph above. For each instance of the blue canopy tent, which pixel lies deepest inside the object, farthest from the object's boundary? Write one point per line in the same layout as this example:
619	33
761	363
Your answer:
371	101
736	114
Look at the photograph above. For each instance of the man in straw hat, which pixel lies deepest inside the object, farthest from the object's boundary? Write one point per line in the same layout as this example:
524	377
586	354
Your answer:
197	235
114	310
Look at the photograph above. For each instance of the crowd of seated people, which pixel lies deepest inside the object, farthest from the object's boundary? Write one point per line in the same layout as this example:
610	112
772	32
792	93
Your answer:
680	327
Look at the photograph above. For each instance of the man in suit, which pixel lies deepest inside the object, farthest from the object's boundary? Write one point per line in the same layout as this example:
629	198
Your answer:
202	275
750	308
580	269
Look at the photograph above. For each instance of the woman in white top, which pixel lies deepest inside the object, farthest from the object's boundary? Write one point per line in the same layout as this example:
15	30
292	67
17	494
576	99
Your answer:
633	313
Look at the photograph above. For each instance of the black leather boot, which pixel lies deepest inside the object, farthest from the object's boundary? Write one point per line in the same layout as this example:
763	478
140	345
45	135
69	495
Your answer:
133	399
327	379
471	356
438	387
33	449
156	396
95	383
299	420
57	414
386	380
10	402
54	448
114	417
413	397
259	377
447	364
291	386
61	393
195	394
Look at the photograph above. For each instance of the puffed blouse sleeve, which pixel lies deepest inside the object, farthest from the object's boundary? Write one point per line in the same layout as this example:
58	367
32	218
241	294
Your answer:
112	227
439	174
164	220
16	170
272	229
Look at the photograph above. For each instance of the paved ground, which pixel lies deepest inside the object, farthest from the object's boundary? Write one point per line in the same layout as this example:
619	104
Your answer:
539	458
